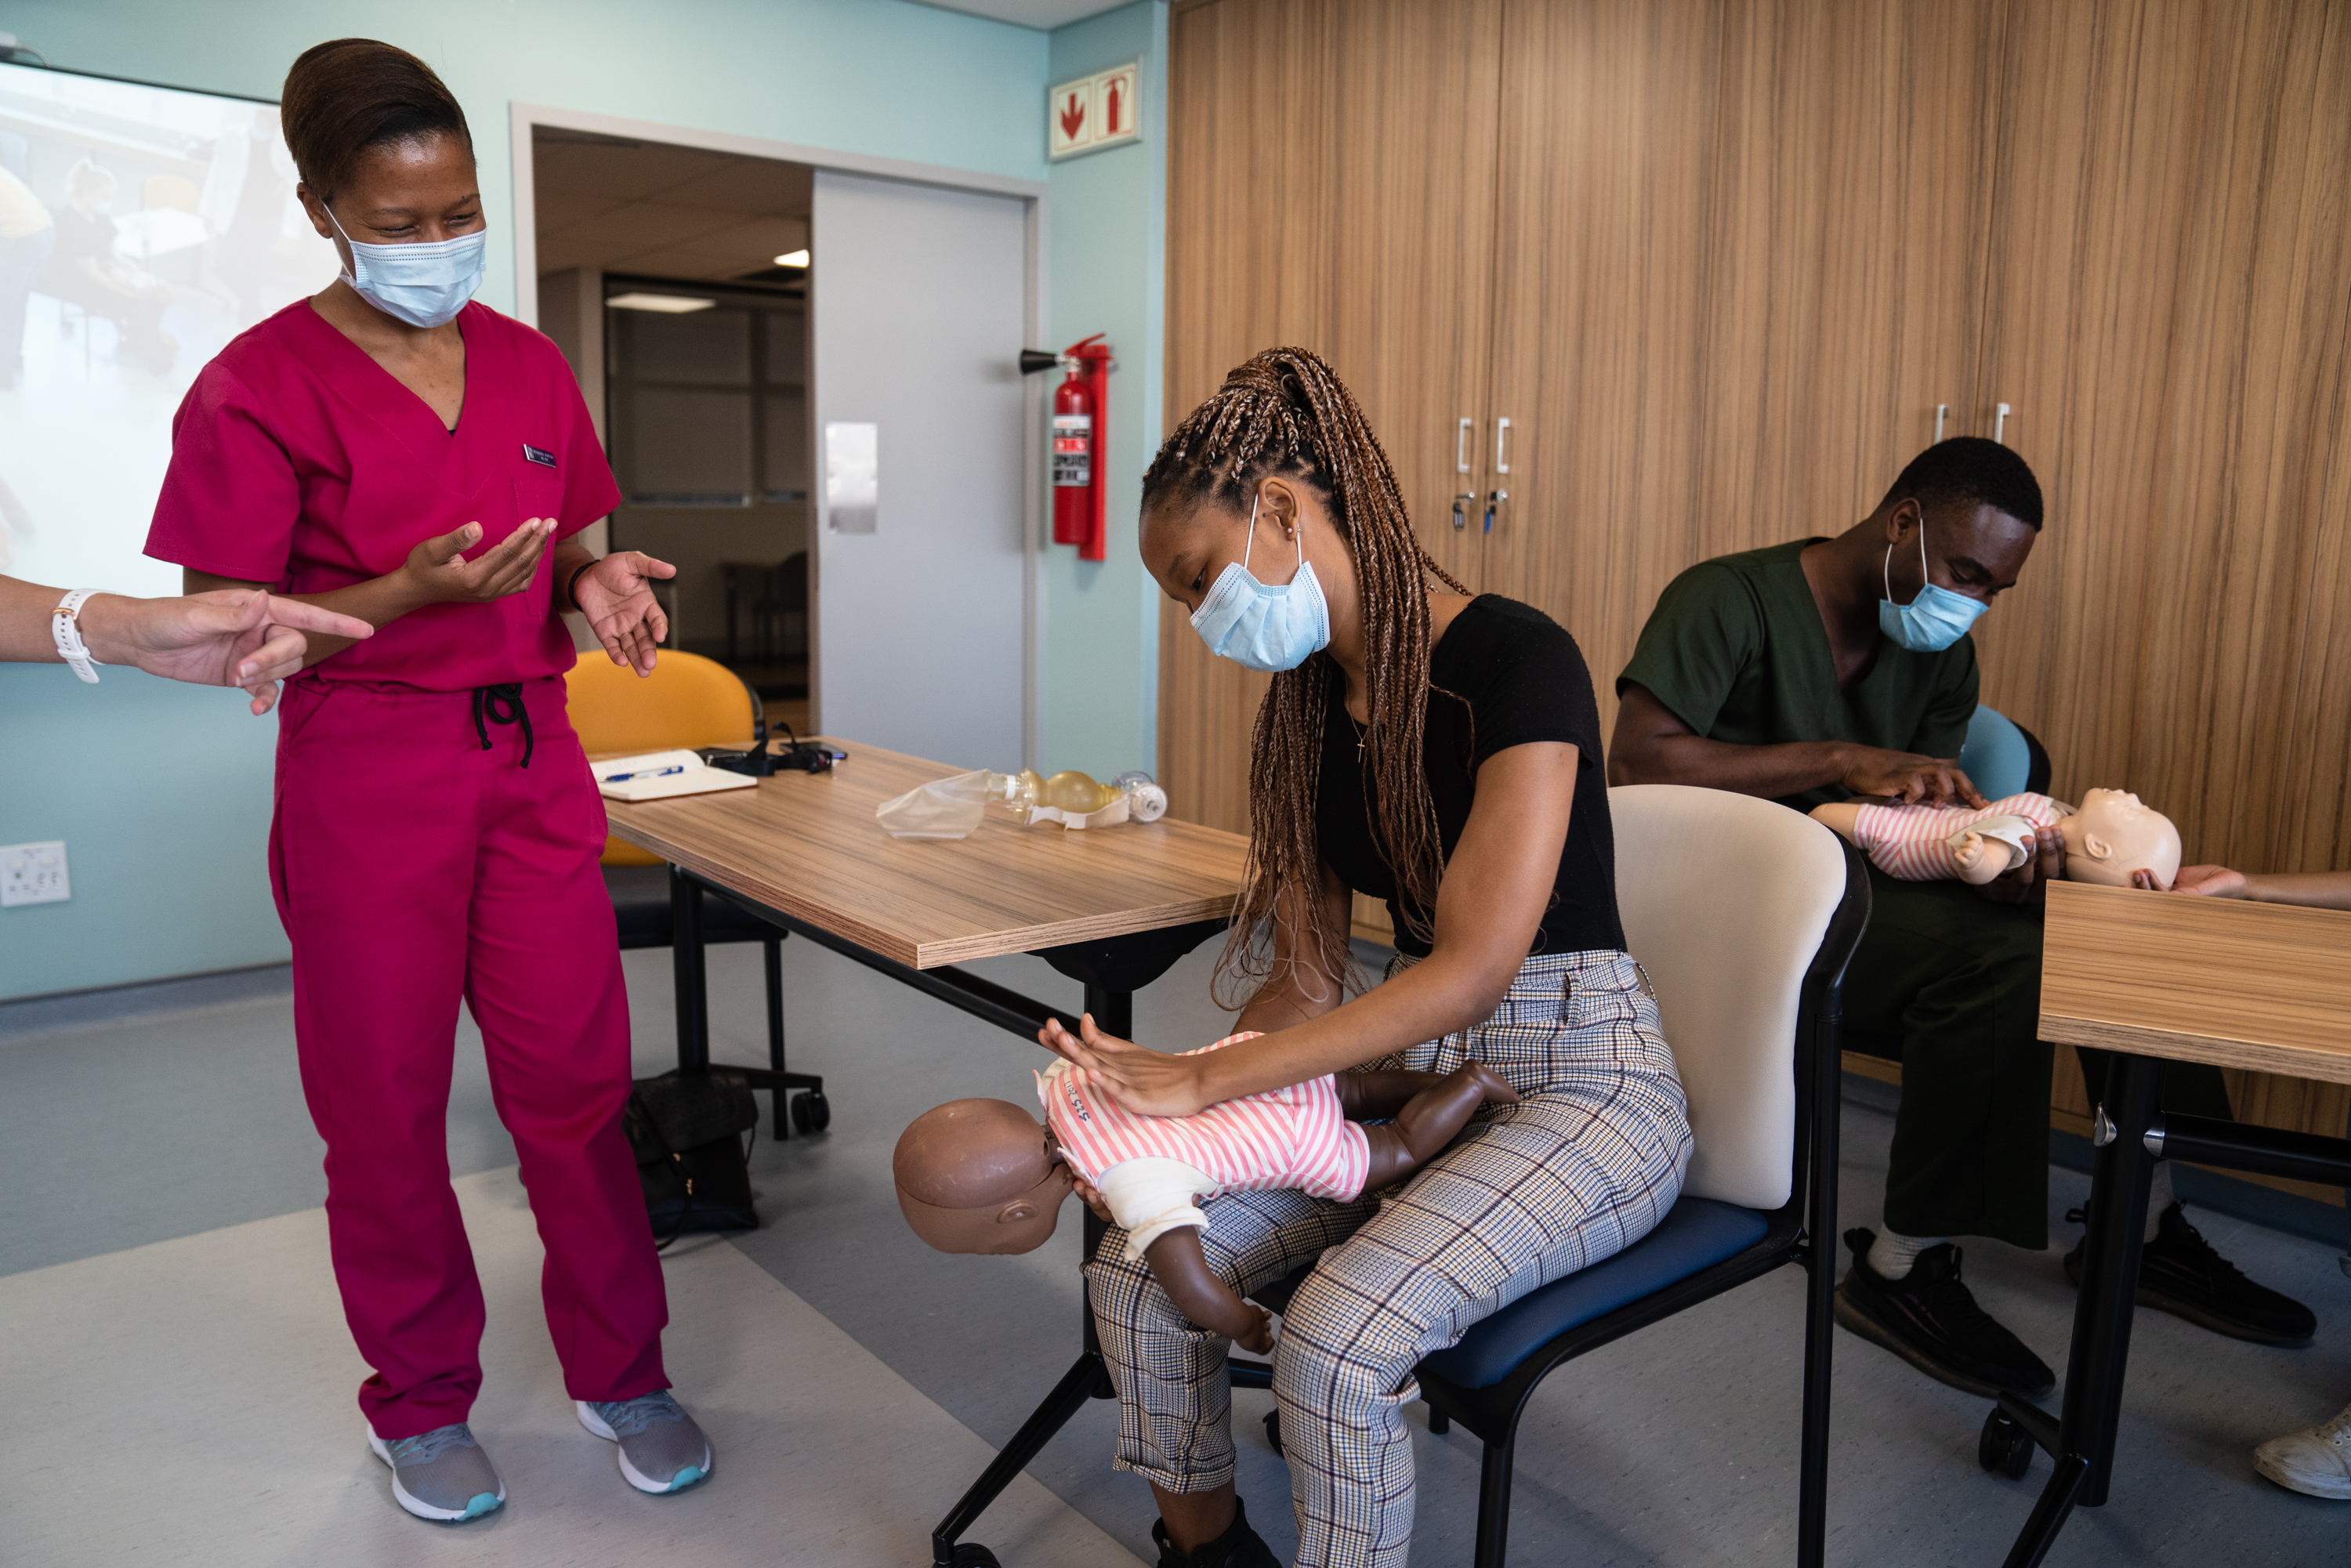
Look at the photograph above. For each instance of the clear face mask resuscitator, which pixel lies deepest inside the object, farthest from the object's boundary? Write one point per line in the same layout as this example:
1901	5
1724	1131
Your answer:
1261	626
424	284
1933	620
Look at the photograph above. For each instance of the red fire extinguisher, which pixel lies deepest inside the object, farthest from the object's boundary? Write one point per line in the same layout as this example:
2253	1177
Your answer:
1079	500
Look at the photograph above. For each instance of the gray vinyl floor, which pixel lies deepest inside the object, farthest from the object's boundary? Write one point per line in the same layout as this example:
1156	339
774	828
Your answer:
178	1380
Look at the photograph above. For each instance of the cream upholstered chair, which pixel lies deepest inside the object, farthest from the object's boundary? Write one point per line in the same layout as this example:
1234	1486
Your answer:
1743	914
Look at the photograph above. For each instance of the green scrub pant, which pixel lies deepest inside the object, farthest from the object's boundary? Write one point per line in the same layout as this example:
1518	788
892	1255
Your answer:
1958	979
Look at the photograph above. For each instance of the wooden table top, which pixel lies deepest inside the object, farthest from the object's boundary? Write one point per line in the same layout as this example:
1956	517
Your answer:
2259	986
808	844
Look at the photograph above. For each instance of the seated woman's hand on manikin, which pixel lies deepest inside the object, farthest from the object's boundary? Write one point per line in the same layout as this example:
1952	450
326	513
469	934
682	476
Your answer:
616	595
1145	1081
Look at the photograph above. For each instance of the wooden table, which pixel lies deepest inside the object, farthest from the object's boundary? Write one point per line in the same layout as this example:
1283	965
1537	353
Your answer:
1112	908
2153	978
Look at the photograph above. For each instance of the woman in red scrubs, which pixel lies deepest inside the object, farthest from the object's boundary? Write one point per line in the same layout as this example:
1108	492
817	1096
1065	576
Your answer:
390	451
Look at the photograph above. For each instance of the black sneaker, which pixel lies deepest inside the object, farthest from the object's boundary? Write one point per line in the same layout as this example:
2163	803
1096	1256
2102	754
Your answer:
1238	1547
2180	1273
1930	1320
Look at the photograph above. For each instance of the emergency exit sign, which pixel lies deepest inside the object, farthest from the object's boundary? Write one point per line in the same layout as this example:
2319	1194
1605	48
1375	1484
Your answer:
1094	112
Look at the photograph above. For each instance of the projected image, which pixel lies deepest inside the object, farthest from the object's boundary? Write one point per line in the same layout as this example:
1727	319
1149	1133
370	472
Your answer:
141	229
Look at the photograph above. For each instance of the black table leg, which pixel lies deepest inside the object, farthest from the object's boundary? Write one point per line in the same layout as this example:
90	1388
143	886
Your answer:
2102	1317
692	979
1088	1377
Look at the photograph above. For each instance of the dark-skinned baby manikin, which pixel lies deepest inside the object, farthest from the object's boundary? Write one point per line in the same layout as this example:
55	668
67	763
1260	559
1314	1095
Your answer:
981	1175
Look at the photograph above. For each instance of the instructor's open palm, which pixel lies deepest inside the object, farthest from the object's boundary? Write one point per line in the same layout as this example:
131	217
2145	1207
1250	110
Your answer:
438	572
616	595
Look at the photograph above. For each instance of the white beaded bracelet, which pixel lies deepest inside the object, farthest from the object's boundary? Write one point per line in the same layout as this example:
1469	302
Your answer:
65	630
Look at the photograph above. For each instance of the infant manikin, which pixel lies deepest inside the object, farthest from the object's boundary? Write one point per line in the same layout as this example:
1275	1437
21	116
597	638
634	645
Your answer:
2112	835
980	1175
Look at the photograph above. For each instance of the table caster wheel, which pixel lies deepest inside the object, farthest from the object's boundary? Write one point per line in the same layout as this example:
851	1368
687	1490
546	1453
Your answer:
1273	1431
2004	1447
811	1111
971	1554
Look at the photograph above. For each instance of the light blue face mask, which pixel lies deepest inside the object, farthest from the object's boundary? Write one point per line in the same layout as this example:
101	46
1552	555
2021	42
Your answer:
1931	623
425	284
1261	626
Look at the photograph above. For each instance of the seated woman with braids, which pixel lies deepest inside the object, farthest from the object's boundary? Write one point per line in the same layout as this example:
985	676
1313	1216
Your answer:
1440	752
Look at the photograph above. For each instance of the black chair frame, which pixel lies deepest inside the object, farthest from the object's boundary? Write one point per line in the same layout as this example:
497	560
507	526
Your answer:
1802	1231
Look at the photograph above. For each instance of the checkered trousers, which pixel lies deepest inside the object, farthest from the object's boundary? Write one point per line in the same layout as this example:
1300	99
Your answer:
1584	1166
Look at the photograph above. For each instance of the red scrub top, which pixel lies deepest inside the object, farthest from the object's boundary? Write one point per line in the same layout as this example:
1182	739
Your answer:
298	461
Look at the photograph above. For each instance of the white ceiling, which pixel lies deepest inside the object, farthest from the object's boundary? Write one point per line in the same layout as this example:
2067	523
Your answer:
664	211
1041	13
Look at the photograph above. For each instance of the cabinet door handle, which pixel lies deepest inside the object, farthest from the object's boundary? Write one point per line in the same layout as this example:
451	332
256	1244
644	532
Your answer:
1494	500
1999	422
1940	410
1461	447
1461	504
1501	451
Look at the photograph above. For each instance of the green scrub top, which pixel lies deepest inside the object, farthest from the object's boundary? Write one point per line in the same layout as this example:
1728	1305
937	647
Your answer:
1735	649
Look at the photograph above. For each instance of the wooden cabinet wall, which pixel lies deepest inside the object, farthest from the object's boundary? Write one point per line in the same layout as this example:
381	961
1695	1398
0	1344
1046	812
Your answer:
1719	262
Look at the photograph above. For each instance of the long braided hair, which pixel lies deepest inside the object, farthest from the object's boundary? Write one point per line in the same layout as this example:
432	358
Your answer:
1285	412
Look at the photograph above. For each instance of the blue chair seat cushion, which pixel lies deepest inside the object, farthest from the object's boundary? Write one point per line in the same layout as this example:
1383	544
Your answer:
1696	1234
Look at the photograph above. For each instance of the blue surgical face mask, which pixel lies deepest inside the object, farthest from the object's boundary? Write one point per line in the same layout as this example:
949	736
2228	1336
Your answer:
1264	627
1931	623
425	284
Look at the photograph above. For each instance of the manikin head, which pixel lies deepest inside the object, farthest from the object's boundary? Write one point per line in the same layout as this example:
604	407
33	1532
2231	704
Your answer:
980	1175
2114	834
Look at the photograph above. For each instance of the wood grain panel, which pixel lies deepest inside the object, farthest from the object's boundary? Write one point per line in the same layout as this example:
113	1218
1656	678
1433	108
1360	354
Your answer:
2260	986
1298	132
2164	316
808	843
1771	276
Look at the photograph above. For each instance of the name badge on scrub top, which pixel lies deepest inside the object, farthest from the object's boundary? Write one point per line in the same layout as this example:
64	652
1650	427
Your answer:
539	454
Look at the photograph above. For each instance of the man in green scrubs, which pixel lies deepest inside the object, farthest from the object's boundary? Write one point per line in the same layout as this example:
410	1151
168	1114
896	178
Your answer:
1830	668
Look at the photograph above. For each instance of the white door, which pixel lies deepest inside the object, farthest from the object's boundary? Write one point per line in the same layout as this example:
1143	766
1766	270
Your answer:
918	299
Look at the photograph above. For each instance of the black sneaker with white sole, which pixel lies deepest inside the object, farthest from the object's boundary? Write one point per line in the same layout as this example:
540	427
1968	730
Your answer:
2180	1273
1930	1319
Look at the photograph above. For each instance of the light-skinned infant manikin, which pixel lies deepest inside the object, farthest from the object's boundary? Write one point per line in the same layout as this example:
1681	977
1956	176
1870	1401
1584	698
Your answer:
2111	836
980	1175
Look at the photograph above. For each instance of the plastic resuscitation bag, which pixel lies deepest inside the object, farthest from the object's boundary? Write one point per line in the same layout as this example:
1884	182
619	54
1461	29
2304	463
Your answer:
952	808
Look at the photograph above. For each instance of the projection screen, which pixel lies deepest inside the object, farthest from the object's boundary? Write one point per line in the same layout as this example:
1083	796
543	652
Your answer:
141	229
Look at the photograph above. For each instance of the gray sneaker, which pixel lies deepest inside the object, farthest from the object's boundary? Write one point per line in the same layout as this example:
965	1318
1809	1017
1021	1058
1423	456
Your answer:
661	1449
441	1474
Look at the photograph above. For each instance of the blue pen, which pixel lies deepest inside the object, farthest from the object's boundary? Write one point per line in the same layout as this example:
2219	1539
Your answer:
647	773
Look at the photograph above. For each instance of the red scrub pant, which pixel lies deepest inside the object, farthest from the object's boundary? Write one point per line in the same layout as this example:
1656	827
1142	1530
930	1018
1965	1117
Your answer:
411	867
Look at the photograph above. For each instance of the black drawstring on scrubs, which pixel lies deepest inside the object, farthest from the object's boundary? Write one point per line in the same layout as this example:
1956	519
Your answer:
503	705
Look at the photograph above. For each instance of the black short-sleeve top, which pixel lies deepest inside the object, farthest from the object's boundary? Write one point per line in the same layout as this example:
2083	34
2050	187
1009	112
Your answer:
1503	674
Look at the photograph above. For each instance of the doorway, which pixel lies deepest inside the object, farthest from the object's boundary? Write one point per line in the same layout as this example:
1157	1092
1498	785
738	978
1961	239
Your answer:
857	321
675	280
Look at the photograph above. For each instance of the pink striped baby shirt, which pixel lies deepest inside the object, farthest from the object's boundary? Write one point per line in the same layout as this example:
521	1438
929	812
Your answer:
1913	842
1295	1137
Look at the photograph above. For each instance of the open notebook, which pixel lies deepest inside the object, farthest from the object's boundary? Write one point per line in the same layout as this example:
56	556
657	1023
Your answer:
658	775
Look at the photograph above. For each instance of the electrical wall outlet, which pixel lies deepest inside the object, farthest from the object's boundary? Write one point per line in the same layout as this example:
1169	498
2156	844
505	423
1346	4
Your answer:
33	873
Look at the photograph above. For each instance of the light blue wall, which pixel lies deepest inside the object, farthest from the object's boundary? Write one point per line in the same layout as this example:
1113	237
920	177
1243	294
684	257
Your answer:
1100	654
162	792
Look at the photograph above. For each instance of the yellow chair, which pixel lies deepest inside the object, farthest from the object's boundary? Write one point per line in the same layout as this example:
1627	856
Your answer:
687	702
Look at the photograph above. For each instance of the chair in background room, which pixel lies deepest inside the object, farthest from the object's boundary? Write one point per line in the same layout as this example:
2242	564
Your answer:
1743	914
688	701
